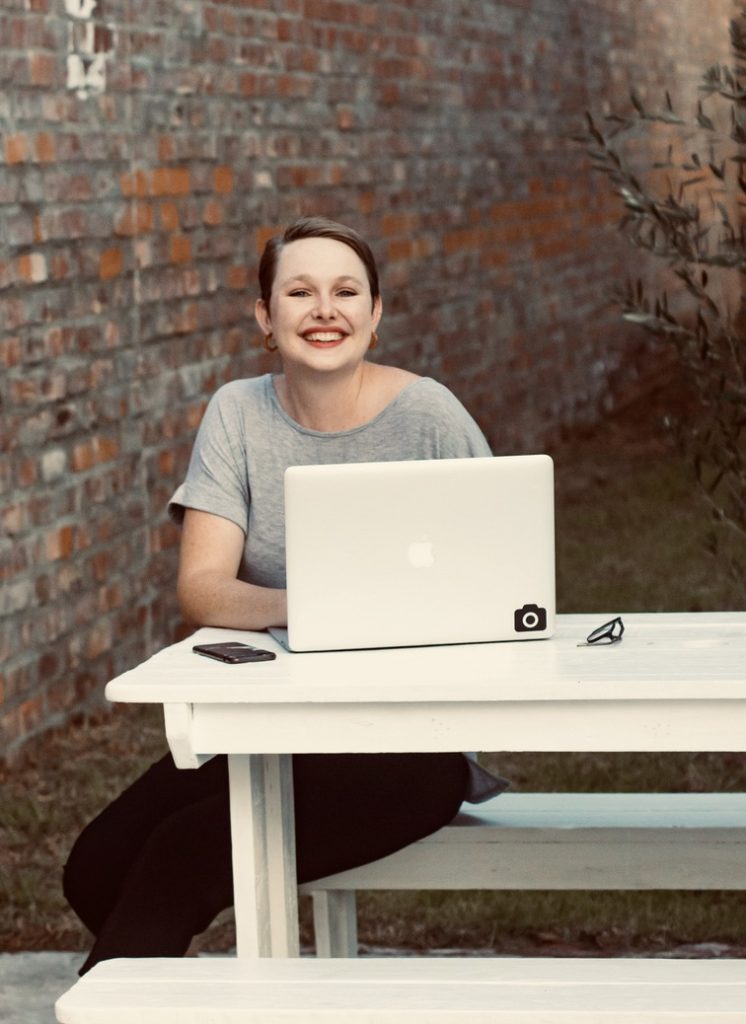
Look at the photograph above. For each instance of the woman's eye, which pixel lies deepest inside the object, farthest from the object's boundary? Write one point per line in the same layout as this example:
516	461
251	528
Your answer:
347	293
300	292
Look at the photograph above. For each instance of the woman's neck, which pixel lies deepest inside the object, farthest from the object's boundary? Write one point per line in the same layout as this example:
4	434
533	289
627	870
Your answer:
326	403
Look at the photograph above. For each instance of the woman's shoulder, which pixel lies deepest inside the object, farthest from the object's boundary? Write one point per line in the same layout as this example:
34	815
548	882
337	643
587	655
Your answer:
391	381
413	389
243	393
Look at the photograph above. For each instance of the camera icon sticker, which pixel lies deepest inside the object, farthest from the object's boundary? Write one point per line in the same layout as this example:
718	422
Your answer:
530	619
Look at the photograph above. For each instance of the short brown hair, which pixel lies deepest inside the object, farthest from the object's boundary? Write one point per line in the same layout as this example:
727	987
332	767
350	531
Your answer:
315	227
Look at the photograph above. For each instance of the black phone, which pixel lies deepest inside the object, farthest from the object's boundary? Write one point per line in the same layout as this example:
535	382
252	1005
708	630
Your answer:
233	652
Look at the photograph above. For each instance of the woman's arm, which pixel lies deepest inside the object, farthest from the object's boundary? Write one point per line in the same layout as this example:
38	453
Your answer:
209	593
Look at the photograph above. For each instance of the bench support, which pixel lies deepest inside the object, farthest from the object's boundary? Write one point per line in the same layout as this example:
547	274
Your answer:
335	922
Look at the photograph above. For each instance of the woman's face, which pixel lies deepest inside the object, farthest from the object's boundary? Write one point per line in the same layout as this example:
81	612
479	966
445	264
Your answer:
321	313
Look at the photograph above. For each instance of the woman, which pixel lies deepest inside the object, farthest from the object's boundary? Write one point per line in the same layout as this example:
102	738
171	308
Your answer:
154	868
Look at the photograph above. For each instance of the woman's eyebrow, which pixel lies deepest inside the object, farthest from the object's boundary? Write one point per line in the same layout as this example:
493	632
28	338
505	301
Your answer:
308	279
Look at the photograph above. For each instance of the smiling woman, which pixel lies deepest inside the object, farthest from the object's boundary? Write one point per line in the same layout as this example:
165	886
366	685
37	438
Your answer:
322	322
320	293
143	876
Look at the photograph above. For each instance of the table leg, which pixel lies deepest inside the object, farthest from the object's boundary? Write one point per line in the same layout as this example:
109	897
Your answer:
263	841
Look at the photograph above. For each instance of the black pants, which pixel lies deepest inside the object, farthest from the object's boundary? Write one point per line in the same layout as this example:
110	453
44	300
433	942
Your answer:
154	868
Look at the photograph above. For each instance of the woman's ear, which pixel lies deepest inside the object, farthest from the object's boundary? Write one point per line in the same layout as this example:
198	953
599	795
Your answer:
377	311
262	316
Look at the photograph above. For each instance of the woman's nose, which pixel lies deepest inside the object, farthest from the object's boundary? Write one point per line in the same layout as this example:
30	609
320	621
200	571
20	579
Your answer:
324	307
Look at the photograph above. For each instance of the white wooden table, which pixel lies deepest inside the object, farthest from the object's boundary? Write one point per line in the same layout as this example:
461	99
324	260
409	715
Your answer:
677	682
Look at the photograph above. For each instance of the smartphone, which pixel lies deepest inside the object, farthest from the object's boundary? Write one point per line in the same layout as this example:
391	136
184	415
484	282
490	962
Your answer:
233	652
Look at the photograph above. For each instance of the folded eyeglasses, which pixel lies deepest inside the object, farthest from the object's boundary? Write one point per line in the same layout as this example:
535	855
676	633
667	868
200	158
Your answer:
610	633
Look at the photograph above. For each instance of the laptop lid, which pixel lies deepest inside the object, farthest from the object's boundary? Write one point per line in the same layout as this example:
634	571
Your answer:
399	554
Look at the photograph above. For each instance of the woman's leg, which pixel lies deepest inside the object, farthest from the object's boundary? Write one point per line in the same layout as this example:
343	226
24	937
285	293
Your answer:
176	886
106	849
354	808
155	868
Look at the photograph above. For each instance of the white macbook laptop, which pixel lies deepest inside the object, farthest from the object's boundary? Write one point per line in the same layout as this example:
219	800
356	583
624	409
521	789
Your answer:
403	554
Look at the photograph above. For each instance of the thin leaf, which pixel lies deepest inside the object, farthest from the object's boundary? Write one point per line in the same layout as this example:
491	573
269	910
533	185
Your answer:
637	102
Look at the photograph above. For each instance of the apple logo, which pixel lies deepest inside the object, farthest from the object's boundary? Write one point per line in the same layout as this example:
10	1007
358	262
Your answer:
420	554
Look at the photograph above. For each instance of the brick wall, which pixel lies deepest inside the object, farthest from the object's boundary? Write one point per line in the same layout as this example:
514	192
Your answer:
149	147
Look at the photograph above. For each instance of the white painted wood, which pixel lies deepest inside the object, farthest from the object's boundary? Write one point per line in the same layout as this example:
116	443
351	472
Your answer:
409	991
249	852
676	682
555	841
177	720
623	725
263	847
334	920
280	832
662	657
572	841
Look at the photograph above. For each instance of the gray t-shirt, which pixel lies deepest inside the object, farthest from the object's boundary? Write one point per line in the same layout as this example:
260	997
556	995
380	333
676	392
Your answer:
246	441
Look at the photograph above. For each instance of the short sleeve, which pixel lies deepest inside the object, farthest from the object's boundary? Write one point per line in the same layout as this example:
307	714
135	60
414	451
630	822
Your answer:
217	479
460	437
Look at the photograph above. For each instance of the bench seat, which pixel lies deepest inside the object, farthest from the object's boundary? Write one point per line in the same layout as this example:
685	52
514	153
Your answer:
553	841
408	991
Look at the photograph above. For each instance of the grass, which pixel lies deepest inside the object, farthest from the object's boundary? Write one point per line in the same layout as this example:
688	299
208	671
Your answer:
634	539
631	536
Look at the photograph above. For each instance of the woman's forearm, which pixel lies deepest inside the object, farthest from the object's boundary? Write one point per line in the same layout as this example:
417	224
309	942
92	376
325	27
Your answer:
209	598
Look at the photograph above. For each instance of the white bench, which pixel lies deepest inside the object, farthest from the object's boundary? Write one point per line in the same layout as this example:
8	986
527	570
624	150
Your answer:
553	841
408	991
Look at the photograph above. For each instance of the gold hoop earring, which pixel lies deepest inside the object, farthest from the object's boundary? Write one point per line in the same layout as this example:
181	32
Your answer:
373	340
267	343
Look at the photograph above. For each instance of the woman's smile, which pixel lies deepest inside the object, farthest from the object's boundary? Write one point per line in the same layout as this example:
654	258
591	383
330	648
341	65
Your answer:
324	339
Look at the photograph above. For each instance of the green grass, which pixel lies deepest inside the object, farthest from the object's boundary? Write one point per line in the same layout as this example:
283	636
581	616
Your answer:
520	921
631	535
633	538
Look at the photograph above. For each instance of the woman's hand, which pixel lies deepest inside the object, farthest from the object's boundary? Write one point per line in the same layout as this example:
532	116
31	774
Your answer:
209	593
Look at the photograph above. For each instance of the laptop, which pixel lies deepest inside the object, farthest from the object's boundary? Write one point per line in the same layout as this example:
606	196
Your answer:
406	554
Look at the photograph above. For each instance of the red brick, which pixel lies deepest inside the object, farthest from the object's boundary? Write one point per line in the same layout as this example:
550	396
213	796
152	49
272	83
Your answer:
170	181
16	148
31	714
137	219
238	277
82	457
135	185
60	543
169	216
43	68
32	267
10	351
248	84
180	249
166	148
212	213
99	640
27	473
223	180
263	235
46	151
106	449
110	264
